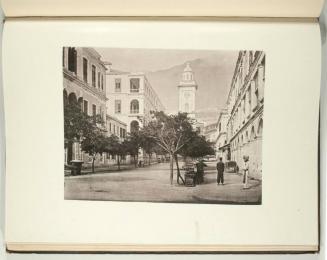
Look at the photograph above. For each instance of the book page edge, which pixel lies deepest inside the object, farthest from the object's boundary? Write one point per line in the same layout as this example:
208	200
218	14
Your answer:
48	247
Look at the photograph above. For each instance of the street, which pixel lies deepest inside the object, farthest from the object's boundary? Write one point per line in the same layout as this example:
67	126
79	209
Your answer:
152	184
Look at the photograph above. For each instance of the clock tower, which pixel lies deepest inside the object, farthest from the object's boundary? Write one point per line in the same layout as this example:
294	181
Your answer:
186	91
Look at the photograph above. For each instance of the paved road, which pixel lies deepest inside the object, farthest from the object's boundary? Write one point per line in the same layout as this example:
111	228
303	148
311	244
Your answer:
152	184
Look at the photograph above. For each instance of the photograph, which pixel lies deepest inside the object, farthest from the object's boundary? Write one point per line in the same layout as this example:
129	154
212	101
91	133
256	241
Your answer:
163	125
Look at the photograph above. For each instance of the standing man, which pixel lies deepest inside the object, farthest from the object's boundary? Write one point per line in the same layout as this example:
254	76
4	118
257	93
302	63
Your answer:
200	171
220	169
246	172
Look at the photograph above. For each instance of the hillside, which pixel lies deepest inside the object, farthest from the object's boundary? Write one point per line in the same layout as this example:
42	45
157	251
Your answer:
213	76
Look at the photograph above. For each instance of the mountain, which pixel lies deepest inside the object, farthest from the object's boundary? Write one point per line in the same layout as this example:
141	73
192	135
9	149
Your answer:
213	75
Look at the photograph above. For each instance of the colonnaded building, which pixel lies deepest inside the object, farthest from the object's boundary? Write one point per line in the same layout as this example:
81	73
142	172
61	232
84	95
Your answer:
245	105
222	147
132	98
84	83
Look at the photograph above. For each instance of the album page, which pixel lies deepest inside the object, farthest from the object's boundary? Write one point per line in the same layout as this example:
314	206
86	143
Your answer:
235	8
148	135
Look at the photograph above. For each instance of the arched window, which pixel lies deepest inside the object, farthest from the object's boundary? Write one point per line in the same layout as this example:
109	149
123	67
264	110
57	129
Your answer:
246	137
252	136
134	126
260	126
135	106
72	99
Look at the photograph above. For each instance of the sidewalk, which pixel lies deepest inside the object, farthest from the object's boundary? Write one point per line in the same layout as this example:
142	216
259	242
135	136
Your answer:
106	168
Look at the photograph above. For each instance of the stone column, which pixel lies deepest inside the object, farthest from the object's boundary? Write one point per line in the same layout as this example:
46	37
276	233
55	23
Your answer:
79	65
253	97
261	82
247	104
243	110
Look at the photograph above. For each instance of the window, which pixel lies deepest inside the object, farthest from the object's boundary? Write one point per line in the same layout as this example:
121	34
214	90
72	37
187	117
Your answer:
134	126
110	127
117	85
93	75
114	129
72	59
186	107
85	107
99	79
85	65
94	110
134	107
121	132
117	106
134	85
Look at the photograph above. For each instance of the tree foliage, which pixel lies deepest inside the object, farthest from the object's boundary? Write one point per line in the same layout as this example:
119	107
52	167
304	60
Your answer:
171	133
80	127
197	147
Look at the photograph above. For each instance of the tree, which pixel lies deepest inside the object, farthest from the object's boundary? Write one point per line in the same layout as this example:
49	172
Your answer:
79	127
132	144
115	147
171	133
148	144
94	143
76	125
197	147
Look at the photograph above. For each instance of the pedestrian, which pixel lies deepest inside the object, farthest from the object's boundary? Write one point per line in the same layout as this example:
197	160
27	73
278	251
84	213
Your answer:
220	169
245	172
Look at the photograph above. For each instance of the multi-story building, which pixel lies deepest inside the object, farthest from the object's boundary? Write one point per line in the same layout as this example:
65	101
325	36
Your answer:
245	110
132	98
210	132
222	147
116	127
84	83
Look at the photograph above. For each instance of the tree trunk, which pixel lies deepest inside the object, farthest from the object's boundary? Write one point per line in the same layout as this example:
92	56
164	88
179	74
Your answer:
134	160
149	158
171	169
118	162
93	160
179	176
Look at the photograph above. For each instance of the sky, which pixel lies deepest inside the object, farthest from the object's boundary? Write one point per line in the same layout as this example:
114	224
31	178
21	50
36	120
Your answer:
213	71
145	60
